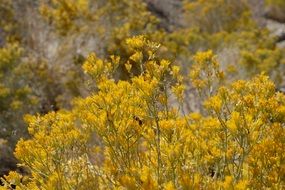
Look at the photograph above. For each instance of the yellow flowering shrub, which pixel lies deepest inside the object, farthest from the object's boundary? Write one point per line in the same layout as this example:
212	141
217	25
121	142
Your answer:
244	125
65	14
276	2
110	21
250	115
220	25
128	134
228	28
205	72
218	15
13	94
9	24
103	25
132	130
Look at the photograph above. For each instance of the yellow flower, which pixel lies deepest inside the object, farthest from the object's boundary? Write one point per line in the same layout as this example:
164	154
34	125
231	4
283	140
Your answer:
169	186
137	57
128	67
214	103
178	91
136	42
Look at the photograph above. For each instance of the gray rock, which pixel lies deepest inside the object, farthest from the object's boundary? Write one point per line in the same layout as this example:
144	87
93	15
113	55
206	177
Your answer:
169	11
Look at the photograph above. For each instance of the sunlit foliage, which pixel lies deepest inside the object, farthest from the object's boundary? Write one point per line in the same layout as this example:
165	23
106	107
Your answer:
16	98
229	30
196	109
127	135
111	21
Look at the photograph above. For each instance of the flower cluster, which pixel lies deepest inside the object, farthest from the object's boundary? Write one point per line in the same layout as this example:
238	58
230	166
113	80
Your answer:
127	135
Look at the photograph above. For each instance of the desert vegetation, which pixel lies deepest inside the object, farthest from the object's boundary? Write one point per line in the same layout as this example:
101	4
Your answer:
140	94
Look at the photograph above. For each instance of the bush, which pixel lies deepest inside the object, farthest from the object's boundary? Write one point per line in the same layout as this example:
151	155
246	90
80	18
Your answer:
127	135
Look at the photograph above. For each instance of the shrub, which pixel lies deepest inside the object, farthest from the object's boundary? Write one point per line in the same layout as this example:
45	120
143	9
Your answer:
127	135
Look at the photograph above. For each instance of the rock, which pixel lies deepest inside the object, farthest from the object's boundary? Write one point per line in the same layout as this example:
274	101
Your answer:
277	30
168	11
281	44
